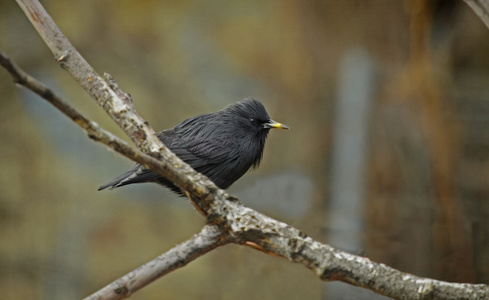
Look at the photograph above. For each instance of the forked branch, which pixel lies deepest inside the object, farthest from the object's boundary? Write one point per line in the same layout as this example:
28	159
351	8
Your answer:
229	220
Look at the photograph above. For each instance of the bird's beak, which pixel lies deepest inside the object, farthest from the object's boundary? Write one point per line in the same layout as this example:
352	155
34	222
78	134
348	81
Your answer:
273	124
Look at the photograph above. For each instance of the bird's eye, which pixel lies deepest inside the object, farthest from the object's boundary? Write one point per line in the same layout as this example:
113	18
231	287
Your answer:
253	121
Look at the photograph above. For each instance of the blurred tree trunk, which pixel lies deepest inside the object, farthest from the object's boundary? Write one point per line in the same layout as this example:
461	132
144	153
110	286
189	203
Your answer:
452	243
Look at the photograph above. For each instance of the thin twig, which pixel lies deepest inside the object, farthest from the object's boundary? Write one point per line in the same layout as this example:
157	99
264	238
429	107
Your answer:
91	128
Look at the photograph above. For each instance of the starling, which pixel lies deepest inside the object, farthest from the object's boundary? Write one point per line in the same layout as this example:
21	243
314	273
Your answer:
222	145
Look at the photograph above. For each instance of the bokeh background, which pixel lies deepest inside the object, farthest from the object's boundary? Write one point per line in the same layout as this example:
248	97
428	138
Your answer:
387	156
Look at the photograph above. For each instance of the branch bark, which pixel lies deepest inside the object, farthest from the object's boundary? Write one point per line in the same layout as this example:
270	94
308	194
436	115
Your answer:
229	220
481	9
206	240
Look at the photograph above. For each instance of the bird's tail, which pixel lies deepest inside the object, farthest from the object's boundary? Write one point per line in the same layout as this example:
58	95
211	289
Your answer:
123	179
136	174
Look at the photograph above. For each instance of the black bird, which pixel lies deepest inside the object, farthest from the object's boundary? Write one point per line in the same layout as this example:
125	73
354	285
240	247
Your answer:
222	145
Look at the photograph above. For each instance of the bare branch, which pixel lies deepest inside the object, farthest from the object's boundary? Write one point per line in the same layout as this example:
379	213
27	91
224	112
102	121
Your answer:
246	226
208	239
240	224
332	264
481	8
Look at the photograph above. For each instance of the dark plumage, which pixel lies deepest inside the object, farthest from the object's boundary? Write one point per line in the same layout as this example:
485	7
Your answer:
222	145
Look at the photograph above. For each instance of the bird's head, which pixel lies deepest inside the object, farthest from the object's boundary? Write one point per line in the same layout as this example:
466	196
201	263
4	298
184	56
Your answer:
249	121
251	115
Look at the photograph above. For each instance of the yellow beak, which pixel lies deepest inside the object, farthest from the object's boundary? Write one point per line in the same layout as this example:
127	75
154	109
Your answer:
273	124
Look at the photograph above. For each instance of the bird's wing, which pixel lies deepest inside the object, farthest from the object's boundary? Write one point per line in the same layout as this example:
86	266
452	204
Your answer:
200	152
199	141
213	155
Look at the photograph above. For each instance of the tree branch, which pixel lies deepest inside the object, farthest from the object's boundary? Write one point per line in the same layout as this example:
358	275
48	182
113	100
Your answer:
91	128
242	225
236	223
209	238
481	9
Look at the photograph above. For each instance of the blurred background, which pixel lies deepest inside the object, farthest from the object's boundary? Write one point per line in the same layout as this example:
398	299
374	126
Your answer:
387	156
